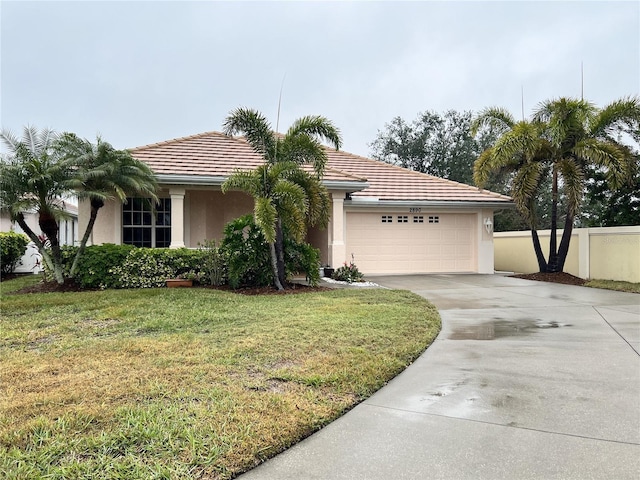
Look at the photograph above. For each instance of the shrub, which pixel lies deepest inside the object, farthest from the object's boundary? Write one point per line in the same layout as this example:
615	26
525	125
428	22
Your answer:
95	265
302	258
12	247
247	254
151	267
249	261
348	273
213	263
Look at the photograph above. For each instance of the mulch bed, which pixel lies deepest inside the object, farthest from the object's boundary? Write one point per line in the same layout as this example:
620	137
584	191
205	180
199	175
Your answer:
70	286
559	277
292	288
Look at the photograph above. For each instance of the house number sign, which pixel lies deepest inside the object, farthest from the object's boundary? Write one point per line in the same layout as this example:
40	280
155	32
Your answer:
415	210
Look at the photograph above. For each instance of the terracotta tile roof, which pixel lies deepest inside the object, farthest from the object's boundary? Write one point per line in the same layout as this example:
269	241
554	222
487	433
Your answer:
210	154
213	154
390	182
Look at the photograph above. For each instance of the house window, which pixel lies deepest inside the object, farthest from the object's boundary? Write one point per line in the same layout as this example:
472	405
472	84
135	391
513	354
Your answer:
418	219
403	219
144	226
434	219
387	218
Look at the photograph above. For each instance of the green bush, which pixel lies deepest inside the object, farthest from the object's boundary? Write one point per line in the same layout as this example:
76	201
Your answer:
248	259
247	254
348	273
94	265
12	247
150	267
213	266
302	258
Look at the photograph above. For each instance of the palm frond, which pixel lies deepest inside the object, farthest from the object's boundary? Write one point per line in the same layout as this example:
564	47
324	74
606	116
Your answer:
303	149
573	181
256	129
496	118
318	128
265	215
619	116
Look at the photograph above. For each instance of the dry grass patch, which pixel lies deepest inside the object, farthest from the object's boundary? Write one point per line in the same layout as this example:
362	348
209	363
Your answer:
190	383
614	285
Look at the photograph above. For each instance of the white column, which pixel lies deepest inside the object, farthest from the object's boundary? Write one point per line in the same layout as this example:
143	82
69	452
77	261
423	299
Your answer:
336	242
177	217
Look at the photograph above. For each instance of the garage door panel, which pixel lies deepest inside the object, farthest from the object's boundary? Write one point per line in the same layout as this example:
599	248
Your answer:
446	246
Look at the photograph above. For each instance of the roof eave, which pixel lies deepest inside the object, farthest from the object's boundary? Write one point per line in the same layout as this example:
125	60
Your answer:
351	186
176	179
374	202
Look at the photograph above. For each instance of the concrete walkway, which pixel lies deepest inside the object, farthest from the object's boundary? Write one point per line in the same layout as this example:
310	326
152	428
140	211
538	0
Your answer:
526	380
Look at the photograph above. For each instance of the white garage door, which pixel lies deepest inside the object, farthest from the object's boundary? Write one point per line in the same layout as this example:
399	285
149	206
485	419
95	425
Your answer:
412	243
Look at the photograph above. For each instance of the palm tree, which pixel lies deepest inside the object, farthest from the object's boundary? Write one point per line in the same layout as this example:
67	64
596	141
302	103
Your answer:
35	178
584	137
563	139
286	196
104	173
522	153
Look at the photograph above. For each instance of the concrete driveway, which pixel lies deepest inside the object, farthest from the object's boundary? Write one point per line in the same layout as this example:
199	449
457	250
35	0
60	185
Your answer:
526	380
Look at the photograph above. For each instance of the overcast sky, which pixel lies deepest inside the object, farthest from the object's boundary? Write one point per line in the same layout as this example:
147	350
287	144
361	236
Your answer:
143	72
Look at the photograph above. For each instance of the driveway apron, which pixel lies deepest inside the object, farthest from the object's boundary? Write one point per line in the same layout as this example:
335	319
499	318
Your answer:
525	380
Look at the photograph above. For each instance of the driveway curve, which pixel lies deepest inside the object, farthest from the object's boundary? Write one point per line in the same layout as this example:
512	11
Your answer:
526	380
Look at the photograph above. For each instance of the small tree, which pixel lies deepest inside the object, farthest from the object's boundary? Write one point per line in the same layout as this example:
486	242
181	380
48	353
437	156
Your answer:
35	178
103	173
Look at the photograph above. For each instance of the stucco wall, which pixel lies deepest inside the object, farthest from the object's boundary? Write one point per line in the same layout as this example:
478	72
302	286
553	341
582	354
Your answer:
607	253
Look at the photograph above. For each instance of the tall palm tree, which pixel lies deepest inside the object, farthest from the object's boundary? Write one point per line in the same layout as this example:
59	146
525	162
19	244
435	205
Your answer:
584	136
104	173
522	152
35	178
286	196
564	137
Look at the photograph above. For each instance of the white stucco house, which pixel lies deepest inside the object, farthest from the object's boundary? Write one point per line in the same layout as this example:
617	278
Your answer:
390	220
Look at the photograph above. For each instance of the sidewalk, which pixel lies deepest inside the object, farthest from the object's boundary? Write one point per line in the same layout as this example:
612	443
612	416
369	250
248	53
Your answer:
526	380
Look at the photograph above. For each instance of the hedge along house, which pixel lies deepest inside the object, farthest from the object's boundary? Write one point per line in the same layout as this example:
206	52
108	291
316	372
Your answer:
388	219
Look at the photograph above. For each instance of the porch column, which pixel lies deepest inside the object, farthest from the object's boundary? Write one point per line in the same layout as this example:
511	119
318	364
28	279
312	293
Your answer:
336	242
177	217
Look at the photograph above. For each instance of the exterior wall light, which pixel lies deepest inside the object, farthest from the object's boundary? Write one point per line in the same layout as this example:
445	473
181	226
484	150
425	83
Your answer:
488	225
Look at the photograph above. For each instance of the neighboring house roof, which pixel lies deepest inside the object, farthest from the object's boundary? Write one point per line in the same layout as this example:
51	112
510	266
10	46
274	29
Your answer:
210	157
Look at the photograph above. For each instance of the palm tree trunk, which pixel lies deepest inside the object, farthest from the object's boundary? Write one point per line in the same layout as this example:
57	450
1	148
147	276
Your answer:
85	238
46	258
542	263
552	265
49	227
564	242
274	266
280	252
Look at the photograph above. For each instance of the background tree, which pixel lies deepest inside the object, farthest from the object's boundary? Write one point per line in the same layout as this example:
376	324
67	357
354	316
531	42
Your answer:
104	173
35	178
440	145
287	198
604	207
566	140
444	145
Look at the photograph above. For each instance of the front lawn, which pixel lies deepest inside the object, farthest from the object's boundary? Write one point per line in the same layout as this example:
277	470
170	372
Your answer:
188	383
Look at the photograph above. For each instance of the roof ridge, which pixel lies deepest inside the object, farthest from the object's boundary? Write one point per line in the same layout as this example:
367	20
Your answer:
180	139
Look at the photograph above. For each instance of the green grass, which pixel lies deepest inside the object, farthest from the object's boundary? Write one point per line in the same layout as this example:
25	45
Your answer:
614	285
188	383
